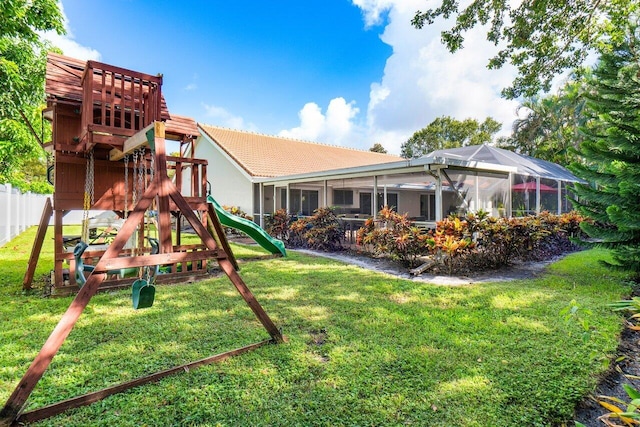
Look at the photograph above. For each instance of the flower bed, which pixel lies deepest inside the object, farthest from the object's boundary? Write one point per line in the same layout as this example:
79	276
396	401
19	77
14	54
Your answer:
475	242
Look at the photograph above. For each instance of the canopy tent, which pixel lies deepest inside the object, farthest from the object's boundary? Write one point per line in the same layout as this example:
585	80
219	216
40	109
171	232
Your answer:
531	186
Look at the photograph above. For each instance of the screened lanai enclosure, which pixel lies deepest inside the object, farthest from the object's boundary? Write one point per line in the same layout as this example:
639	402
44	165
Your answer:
429	188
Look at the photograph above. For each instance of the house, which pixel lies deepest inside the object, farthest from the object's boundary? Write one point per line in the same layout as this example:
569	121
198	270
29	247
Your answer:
240	161
261	174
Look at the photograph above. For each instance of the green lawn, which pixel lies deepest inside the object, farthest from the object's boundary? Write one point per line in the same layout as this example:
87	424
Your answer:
364	349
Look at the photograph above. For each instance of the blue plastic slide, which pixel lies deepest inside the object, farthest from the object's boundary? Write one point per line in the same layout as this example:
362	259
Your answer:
250	228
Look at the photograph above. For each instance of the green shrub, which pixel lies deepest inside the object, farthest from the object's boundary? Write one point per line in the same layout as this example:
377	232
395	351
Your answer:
449	242
393	235
501	241
477	241
235	210
277	225
321	231
326	232
297	230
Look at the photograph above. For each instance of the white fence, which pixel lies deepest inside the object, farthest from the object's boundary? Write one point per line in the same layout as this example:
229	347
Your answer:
18	211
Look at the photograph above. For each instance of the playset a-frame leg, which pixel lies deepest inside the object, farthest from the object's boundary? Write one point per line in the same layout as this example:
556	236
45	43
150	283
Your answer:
165	189
47	211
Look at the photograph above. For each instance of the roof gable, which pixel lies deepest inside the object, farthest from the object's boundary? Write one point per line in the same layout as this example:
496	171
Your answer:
272	156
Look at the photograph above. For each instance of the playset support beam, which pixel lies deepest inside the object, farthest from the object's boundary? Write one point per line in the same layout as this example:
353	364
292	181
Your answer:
164	189
89	398
132	143
47	211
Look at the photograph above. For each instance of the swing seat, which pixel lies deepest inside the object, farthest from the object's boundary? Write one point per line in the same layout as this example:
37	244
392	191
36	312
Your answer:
142	294
143	290
78	250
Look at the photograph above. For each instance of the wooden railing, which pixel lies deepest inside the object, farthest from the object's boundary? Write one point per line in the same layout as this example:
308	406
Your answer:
197	186
118	101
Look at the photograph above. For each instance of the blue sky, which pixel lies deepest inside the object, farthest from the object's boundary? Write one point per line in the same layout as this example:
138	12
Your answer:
342	72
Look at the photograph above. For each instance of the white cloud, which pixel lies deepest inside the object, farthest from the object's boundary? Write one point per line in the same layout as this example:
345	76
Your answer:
72	48
68	45
423	81
194	83
336	127
373	9
224	118
339	120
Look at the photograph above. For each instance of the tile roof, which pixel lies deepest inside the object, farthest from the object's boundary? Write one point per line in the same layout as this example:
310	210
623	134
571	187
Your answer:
273	156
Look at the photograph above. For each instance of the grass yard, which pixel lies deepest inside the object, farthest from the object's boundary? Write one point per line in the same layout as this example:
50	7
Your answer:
364	349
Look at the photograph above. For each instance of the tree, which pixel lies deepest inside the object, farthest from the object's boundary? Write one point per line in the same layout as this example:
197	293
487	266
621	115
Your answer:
23	163
447	132
22	51
611	150
378	148
22	66
541	38
549	127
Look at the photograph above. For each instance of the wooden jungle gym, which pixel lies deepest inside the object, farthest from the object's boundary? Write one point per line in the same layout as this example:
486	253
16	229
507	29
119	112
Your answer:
110	127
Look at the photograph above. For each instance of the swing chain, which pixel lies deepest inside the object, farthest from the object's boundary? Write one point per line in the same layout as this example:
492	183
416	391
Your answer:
152	178
152	166
142	169
89	191
126	186
135	177
92	181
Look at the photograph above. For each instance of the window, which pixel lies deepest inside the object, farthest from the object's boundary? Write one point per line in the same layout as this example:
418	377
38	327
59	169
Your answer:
303	202
392	201
343	197
309	202
256	199
365	203
428	206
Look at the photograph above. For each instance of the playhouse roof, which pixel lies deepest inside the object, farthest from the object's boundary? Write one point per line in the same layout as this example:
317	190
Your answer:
525	165
64	85
272	156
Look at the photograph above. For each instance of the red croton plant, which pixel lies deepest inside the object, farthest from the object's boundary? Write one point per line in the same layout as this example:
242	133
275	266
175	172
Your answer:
476	241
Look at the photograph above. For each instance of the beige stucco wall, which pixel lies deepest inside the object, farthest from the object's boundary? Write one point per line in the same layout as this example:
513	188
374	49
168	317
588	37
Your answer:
409	203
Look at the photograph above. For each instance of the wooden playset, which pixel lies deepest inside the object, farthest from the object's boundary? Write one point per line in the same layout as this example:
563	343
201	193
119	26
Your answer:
110	127
95	109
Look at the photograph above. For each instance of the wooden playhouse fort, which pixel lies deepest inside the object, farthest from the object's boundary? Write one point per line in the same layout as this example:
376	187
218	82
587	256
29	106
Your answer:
102	161
110	127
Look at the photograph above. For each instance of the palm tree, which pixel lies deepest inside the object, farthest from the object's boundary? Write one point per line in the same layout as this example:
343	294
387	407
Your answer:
549	128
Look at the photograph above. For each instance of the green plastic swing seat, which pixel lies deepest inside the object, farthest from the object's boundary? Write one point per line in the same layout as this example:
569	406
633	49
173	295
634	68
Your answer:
143	290
142	294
